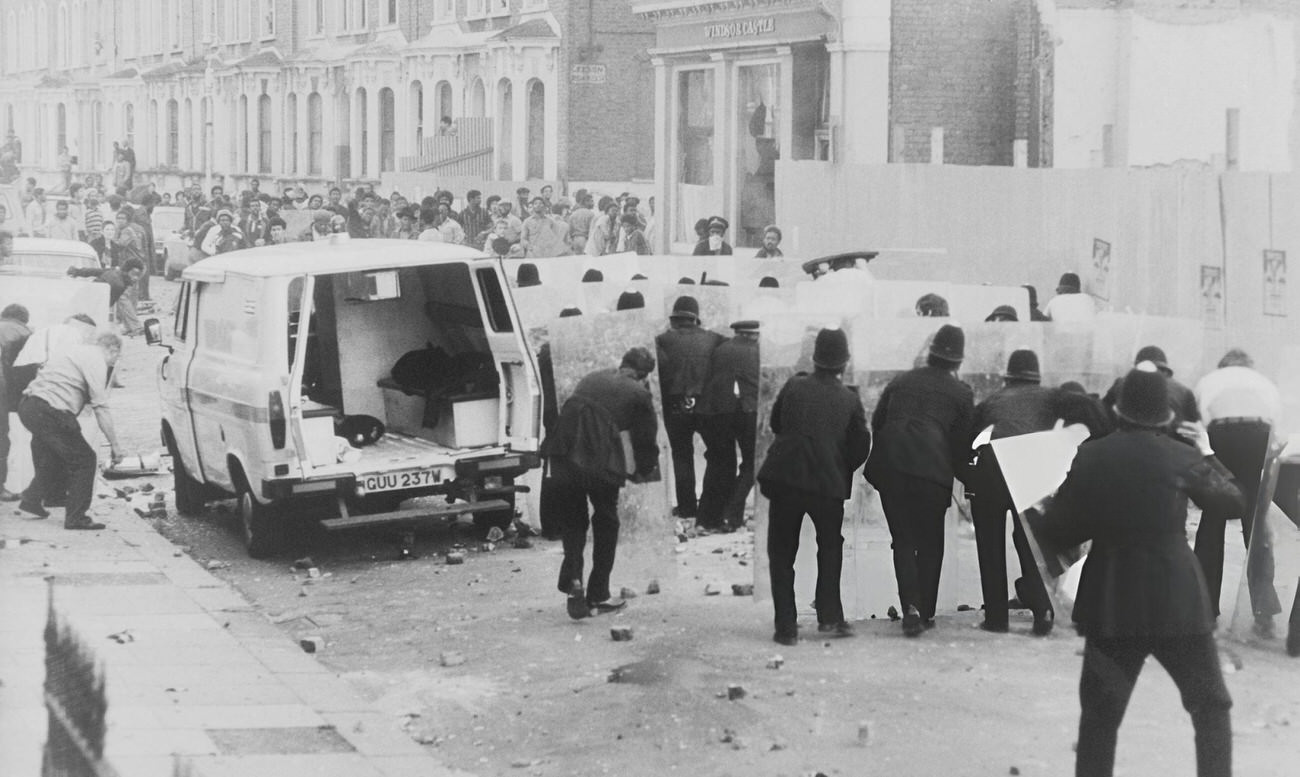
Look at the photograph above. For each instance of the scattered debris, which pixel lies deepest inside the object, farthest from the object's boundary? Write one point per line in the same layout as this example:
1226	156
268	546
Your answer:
735	692
742	589
728	736
146	488
775	662
716	550
893	613
712	589
451	658
122	637
864	733
312	644
455	557
652	588
1014	770
217	564
487	547
964	608
627	593
621	633
304	563
776	746
313	573
522	543
495	534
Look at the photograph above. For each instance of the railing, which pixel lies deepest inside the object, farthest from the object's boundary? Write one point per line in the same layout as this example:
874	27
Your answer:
75	700
467	152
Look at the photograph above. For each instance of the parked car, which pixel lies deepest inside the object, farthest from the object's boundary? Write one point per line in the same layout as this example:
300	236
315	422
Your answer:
47	256
275	350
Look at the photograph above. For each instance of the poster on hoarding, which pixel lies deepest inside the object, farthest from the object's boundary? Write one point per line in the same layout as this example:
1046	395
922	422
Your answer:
1275	283
1099	285
1212	295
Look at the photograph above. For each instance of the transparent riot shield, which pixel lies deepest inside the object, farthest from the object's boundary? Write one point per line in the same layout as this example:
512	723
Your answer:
584	344
1265	611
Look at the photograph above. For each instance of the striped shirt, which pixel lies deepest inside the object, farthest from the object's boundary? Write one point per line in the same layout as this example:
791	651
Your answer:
94	222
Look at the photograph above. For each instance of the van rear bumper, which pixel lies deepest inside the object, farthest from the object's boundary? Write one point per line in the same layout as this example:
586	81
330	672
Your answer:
468	471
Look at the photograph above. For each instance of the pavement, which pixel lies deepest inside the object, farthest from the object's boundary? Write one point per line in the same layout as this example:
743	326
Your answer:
198	682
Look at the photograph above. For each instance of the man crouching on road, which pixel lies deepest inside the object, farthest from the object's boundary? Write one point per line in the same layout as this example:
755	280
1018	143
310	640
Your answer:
821	439
49	409
588	462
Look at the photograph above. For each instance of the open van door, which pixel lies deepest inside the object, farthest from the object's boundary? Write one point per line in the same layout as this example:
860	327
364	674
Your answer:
300	296
521	406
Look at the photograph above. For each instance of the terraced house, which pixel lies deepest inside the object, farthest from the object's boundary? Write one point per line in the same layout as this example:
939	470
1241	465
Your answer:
323	90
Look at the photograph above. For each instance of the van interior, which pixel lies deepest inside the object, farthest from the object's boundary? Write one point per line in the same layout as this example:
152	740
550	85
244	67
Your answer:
405	346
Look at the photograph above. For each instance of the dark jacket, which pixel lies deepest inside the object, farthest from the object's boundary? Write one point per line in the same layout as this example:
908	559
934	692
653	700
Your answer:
116	280
1181	400
1128	493
587	433
922	426
13	335
1022	408
732	384
683	355
821	437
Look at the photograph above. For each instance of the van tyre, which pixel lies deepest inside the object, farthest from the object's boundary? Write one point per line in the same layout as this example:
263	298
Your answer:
188	491
259	529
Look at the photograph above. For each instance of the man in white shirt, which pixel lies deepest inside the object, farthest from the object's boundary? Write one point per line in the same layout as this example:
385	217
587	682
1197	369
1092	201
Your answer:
49	409
1070	303
61	225
1239	406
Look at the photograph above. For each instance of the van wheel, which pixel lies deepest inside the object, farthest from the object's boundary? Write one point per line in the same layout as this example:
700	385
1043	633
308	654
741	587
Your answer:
501	519
260	537
188	491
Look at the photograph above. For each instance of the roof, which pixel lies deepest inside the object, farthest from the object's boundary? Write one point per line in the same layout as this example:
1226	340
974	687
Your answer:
262	59
328	257
49	245
533	28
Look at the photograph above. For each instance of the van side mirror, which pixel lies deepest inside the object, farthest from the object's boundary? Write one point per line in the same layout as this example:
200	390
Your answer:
152	331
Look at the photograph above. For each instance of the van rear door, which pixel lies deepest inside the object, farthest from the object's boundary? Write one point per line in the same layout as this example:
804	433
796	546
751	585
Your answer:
521	414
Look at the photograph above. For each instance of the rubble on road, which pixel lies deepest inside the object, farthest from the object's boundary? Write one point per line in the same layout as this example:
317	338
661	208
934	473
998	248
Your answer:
621	634
652	588
742	589
312	644
626	593
451	658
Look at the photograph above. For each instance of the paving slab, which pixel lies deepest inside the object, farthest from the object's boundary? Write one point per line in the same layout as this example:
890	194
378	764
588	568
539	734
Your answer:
191	669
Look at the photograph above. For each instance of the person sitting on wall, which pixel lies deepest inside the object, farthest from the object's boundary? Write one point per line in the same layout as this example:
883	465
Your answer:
771	243
932	306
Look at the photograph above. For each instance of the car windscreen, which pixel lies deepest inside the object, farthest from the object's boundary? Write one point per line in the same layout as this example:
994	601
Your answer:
49	262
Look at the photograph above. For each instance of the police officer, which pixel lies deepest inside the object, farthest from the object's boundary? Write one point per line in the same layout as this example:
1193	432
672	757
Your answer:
684	351
587	461
1142	592
1181	399
730	419
821	438
922	430
1021	406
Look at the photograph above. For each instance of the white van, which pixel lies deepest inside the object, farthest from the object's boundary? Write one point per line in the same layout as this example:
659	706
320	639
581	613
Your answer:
272	346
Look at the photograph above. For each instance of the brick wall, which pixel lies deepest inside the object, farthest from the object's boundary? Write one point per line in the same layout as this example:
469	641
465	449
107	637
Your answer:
954	66
606	130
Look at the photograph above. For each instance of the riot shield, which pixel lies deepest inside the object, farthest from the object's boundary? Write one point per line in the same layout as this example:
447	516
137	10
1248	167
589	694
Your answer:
584	344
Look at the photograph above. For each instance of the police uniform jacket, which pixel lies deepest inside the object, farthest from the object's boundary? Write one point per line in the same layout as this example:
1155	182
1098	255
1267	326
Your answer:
821	437
683	358
1128	492
587	433
922	427
732	383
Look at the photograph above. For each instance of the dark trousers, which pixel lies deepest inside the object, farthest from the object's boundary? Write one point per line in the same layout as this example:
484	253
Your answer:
989	507
573	486
1110	669
786	509
725	489
681	428
59	453
914	510
554	504
4	441
1242	448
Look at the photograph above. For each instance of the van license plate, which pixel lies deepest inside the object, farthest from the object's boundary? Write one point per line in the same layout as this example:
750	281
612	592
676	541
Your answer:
398	481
